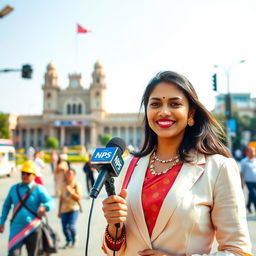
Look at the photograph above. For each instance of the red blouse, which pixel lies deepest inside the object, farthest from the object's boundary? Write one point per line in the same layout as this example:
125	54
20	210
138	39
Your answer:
155	189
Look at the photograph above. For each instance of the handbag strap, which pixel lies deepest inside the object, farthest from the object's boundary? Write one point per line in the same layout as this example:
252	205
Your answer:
25	206
78	202
22	201
129	171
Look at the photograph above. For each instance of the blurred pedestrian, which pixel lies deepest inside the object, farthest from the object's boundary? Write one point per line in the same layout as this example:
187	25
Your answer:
248	172
30	153
27	199
238	154
59	173
89	170
53	160
69	207
40	165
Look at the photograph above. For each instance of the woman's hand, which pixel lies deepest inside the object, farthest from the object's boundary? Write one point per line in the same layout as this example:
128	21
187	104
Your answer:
69	189
150	252
115	211
1	228
41	211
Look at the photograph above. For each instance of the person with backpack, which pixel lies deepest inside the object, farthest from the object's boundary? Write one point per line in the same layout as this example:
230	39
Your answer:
182	190
27	199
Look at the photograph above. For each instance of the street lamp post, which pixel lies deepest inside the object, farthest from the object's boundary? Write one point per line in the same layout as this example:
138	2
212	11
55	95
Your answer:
228	102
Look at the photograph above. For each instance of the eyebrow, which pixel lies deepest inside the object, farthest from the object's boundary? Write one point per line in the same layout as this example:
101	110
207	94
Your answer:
173	98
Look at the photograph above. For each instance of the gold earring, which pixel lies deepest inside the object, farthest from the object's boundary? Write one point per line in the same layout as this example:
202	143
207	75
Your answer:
191	121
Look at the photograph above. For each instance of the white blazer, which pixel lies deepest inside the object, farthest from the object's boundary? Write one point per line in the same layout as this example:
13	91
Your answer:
206	200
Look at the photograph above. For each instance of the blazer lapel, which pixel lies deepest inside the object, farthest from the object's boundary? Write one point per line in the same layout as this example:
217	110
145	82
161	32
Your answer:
187	177
134	197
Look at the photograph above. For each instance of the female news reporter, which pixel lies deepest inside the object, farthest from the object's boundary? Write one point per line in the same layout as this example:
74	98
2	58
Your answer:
185	189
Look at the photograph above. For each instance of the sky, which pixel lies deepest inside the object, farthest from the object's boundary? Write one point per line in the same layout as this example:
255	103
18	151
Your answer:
133	40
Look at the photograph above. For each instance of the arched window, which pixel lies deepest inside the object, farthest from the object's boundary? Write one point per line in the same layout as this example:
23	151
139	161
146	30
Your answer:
74	109
106	130
123	133
114	131
131	133
79	108
68	109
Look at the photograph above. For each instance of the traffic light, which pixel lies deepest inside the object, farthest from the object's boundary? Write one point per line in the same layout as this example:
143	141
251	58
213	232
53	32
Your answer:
26	71
214	82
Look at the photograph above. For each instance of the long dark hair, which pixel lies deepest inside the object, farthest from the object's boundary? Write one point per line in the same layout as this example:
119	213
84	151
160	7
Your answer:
206	136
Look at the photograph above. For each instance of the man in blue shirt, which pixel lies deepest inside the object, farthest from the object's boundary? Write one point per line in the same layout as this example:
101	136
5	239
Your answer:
25	226
248	172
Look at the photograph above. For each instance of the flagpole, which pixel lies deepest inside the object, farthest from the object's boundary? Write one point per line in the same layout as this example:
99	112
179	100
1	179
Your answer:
79	29
76	52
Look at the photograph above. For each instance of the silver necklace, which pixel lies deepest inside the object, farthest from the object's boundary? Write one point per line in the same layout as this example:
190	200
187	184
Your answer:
164	161
152	165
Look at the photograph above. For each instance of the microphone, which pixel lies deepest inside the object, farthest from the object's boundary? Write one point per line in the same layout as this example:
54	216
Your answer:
109	163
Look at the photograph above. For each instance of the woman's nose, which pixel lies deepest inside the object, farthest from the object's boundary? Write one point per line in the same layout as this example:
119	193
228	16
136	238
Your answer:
165	111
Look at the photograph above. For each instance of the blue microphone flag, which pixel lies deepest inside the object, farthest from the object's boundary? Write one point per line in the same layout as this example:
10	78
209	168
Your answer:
109	157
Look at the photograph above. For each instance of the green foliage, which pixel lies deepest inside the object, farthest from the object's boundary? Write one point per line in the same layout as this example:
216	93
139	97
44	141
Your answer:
242	124
252	128
4	129
52	142
105	138
20	159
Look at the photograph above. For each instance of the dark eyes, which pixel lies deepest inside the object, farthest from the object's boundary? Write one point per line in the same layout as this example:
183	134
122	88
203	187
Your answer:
171	104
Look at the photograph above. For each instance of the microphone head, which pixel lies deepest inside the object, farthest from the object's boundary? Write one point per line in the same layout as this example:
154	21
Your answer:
117	142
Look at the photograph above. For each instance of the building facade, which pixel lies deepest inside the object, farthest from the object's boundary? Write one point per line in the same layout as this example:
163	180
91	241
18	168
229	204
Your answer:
76	115
243	103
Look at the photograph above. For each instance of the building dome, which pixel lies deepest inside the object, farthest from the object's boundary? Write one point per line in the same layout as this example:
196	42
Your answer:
98	65
51	66
51	76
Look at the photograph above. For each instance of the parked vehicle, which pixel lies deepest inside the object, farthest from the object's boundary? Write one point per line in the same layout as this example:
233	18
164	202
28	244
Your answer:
7	157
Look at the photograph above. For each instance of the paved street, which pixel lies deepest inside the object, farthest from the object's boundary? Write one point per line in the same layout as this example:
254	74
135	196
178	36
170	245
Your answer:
97	223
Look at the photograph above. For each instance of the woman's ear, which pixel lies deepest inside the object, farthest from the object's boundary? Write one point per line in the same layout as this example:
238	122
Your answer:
191	113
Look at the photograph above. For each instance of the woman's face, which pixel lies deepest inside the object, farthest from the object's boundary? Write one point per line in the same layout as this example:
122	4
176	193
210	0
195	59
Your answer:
168	111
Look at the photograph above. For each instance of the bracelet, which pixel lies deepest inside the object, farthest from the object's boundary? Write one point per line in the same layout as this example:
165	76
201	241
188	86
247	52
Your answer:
111	240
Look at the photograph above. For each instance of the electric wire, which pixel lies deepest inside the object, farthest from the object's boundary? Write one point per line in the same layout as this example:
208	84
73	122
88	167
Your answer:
88	228
114	252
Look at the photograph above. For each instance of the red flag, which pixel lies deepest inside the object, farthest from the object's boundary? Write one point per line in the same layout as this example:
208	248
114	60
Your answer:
80	29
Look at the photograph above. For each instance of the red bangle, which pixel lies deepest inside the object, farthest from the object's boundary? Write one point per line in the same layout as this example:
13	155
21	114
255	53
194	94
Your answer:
111	240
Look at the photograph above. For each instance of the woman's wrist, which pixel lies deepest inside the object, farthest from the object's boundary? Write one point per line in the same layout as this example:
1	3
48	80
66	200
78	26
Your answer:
110	240
111	228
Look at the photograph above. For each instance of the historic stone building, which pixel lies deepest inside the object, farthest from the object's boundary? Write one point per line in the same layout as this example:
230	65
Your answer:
75	115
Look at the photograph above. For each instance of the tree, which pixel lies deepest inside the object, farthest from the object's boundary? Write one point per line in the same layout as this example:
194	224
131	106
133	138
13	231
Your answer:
52	142
4	127
105	138
252	128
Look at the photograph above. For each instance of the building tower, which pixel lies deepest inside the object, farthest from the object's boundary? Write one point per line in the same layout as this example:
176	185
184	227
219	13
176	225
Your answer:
51	89
98	91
